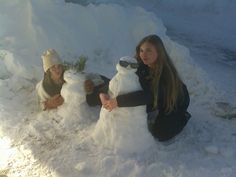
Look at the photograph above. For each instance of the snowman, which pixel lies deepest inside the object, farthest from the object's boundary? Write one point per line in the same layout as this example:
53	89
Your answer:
73	91
124	129
75	111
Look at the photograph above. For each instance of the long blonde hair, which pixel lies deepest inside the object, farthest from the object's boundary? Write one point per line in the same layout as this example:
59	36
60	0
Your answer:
164	76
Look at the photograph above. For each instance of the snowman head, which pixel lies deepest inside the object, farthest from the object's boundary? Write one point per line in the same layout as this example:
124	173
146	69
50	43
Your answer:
127	64
73	89
71	76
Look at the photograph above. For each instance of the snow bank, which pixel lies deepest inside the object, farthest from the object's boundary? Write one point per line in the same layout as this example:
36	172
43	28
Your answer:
75	30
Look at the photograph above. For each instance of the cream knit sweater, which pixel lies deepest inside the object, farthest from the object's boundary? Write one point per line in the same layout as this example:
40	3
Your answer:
42	94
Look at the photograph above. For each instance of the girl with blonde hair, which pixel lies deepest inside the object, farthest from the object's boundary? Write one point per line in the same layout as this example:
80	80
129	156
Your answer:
164	93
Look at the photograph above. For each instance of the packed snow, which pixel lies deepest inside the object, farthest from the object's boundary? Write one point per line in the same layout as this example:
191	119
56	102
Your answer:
60	143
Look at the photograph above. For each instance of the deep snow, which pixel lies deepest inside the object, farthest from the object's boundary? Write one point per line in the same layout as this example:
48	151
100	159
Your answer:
58	142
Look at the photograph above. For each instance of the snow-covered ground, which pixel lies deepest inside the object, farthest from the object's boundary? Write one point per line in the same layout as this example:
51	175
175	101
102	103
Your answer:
200	37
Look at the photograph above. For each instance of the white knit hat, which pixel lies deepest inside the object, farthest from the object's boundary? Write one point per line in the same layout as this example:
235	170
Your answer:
50	58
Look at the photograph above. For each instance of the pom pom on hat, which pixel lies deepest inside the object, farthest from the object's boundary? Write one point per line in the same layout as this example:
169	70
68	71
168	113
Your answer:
50	58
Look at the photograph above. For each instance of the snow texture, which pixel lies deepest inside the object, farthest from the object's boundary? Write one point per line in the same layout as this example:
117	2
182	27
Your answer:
58	143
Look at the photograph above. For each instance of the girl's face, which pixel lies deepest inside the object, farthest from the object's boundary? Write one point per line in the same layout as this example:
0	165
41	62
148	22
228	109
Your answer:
56	72
148	54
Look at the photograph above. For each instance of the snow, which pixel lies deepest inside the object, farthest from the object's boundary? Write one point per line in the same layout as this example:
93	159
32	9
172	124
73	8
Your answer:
58	143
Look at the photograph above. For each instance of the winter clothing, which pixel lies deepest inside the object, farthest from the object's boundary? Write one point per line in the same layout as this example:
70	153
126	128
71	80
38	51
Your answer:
50	58
51	88
48	89
42	94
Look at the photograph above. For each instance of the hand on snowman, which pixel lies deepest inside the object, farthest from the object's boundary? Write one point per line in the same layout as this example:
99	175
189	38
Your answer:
107	102
53	102
88	86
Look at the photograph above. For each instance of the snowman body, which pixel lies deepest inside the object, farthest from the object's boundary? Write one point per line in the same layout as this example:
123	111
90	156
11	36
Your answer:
75	111
124	129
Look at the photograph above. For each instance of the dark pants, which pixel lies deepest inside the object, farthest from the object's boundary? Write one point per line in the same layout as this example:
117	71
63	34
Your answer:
166	127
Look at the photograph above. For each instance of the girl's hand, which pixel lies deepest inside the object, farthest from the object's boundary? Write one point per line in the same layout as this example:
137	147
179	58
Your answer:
112	104
107	102
104	98
53	102
88	86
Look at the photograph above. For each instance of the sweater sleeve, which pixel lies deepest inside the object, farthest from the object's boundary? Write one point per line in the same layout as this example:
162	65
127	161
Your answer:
42	94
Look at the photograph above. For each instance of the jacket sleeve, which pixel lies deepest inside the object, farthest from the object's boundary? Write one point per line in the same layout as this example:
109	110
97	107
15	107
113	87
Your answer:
141	97
136	98
42	94
93	98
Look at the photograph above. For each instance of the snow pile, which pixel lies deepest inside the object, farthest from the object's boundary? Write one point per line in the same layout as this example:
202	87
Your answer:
72	30
94	37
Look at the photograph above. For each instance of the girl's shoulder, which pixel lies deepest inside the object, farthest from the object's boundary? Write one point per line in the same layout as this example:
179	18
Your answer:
39	85
41	91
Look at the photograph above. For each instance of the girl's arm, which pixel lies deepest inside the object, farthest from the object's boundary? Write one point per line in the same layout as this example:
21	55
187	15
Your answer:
93	98
136	98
